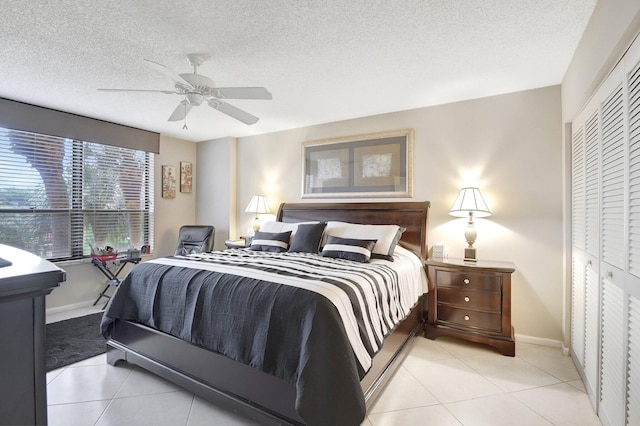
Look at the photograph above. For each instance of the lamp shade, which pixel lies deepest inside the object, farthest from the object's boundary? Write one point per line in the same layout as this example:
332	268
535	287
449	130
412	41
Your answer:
469	200
258	205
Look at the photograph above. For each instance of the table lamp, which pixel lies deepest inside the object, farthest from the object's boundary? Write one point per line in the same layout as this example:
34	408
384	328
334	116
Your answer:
257	205
469	204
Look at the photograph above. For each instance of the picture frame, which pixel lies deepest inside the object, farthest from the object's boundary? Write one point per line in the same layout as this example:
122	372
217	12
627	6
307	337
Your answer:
169	181
186	176
376	165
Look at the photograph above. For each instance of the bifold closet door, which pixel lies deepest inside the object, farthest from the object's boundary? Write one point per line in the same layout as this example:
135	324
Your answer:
592	167
578	243
605	181
633	277
613	248
585	227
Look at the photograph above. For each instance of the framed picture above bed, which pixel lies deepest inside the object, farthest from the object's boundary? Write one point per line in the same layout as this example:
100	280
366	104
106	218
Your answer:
377	165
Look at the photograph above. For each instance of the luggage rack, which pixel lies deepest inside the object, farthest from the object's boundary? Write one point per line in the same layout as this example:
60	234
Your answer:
100	261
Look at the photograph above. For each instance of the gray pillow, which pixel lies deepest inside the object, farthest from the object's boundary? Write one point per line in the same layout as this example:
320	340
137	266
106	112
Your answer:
271	241
348	249
307	238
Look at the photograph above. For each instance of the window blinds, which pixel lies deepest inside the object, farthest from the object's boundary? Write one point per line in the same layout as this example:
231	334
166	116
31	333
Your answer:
59	196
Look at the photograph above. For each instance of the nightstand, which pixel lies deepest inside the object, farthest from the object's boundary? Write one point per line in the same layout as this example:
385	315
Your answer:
471	301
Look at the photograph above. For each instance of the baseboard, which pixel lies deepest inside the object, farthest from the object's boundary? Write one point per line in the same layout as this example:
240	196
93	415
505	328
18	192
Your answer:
542	342
70	307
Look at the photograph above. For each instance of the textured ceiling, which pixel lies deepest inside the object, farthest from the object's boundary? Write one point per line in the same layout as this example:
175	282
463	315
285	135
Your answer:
322	60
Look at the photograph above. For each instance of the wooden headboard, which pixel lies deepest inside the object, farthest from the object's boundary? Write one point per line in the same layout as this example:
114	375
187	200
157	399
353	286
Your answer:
411	215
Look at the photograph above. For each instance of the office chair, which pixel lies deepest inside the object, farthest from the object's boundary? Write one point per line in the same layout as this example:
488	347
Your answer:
195	239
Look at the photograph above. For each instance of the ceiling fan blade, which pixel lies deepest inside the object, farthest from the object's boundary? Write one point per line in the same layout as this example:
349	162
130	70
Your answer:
168	92
236	113
181	111
166	71
241	93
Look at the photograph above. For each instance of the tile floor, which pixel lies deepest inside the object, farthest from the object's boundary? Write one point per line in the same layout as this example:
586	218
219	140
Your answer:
441	382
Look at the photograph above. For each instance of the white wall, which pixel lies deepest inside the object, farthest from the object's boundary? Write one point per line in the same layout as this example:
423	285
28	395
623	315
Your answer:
217	176
508	145
84	281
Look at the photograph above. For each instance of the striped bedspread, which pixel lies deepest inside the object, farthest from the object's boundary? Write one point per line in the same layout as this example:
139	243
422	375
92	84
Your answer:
371	298
298	316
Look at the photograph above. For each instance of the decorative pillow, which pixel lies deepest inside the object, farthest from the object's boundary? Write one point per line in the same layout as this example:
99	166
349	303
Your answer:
348	248
271	241
387	236
283	227
308	238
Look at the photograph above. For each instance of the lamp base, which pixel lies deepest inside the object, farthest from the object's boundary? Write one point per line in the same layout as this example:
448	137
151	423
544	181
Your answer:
470	254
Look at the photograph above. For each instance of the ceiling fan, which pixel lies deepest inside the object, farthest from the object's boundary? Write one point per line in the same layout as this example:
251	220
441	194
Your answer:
196	89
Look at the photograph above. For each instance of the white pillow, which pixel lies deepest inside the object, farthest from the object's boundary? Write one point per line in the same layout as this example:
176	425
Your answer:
278	227
387	236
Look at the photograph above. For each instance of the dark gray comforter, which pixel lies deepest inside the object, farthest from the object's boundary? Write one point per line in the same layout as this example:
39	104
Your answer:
292	333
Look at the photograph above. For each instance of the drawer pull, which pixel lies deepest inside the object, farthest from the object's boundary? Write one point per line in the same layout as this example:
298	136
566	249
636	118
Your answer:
466	318
466	298
466	281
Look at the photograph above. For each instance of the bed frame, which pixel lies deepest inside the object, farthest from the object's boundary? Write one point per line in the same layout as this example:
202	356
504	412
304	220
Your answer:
252	393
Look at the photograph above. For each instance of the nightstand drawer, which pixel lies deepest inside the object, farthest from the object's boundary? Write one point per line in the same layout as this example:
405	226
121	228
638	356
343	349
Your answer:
484	282
469	319
470	299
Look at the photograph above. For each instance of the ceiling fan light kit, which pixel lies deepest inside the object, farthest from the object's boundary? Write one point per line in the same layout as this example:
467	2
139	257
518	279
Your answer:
196	88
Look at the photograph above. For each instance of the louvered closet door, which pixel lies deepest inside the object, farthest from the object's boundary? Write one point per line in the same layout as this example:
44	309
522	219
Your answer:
610	126
592	156
578	242
633	79
633	277
585	312
612	239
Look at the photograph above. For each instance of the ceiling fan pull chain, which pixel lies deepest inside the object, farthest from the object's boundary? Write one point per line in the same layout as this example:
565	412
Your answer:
185	117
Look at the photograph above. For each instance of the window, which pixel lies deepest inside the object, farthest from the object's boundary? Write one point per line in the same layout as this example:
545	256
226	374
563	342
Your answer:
59	196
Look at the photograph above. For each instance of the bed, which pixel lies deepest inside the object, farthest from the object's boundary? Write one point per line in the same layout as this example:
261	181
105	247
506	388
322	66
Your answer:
269	397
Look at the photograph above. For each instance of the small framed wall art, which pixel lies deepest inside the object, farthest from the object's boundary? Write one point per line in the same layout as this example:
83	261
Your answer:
186	176
377	165
168	181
